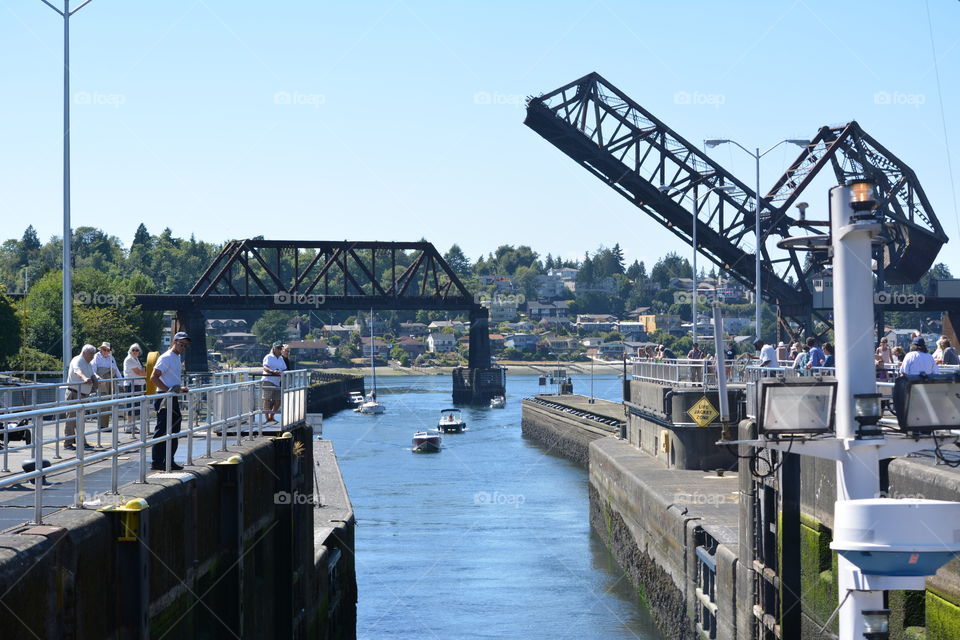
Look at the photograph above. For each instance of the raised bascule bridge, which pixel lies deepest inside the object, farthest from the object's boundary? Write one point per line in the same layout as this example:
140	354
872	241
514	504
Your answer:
678	185
301	275
749	554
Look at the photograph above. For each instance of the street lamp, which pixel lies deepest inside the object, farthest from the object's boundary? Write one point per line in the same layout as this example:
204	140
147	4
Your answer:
67	275
726	188
713	142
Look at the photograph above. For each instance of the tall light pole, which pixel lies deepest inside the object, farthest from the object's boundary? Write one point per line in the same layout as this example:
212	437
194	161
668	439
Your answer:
756	155
665	189
67	275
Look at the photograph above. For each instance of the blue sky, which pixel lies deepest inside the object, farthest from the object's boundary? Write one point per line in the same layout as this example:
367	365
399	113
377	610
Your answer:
401	119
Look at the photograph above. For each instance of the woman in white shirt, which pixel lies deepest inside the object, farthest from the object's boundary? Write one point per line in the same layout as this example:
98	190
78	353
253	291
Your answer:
135	383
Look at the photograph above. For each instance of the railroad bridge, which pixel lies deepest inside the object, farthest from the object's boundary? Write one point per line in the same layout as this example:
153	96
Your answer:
335	275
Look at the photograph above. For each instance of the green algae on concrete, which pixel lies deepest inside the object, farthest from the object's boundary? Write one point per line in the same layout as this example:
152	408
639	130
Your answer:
818	570
943	618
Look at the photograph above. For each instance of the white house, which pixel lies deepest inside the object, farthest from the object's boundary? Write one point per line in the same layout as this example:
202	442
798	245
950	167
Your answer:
441	342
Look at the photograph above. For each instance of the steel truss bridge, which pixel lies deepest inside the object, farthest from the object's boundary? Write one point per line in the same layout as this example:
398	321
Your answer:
675	183
329	275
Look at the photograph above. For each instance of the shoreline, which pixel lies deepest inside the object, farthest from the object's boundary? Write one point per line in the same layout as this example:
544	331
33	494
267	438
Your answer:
513	368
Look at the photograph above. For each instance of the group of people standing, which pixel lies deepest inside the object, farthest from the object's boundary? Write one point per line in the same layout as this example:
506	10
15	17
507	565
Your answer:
95	370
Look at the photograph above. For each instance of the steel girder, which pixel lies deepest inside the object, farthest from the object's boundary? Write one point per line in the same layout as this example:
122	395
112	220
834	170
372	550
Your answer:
674	182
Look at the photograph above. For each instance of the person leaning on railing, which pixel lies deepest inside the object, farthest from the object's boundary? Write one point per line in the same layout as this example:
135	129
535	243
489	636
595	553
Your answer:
167	377
82	380
273	366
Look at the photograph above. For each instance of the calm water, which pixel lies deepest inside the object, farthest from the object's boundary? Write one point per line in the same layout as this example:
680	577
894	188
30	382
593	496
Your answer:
489	538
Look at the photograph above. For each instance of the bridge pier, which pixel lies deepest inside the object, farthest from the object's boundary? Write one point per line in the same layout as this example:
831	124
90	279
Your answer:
194	322
478	382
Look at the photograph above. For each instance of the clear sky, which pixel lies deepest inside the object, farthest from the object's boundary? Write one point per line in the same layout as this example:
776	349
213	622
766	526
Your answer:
402	119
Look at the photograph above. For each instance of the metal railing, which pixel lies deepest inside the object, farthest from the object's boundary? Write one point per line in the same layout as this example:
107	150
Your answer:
677	372
213	412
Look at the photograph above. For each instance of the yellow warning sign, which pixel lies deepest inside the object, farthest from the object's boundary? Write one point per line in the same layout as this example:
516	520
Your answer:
703	413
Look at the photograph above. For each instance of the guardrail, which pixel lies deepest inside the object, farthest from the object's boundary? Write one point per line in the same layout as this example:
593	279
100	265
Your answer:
213	412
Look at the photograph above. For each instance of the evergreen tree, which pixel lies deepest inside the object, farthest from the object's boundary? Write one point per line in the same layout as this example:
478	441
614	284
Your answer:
141	238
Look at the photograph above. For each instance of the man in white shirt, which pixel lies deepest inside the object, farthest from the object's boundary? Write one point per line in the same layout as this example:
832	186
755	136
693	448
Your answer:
82	380
918	361
273	365
166	377
768	354
105	366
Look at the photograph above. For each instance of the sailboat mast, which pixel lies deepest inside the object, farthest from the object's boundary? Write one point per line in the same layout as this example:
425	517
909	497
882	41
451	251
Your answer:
373	364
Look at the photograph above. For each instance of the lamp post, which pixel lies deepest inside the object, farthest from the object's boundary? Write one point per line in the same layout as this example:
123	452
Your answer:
664	188
67	275
756	155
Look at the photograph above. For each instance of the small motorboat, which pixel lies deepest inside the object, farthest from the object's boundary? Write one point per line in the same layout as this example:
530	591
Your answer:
426	441
498	402
451	421
355	398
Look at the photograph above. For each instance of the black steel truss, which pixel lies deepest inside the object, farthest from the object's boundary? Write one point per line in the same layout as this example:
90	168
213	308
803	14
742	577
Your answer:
342	274
673	181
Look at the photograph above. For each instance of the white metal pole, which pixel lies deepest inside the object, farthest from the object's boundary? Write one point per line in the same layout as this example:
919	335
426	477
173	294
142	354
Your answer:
858	467
756	222
67	275
693	303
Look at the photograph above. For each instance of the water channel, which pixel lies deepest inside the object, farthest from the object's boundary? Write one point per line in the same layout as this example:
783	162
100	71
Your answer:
489	538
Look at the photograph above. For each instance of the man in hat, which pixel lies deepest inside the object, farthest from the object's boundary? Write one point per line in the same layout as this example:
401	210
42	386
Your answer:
918	361
167	378
105	366
273	365
783	353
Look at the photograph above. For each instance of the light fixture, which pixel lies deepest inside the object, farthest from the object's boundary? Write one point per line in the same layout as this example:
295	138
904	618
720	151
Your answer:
867	411
712	142
863	194
927	403
876	624
798	142
796	406
802	208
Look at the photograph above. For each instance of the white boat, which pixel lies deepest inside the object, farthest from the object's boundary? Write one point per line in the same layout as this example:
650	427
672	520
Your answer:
451	421
370	406
426	441
498	402
355	398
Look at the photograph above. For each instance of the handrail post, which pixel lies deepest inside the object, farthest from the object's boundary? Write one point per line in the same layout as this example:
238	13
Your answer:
144	413
168	443
80	441
114	443
38	465
190	416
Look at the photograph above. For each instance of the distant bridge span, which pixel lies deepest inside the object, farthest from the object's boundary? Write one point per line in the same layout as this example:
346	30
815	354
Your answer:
310	275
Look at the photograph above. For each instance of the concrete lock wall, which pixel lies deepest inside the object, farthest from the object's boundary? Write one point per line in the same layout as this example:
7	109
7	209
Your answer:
652	519
221	549
562	434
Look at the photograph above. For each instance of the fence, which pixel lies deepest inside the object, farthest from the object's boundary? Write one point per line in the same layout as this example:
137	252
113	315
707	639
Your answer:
215	412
